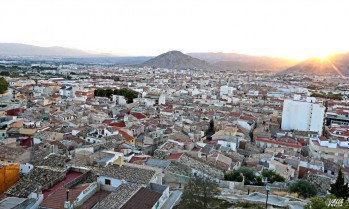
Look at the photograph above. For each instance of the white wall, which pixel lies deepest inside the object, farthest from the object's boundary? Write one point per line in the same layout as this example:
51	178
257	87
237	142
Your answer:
244	125
317	118
37	141
25	168
88	192
226	90
92	140
162	99
39	198
302	116
114	183
231	145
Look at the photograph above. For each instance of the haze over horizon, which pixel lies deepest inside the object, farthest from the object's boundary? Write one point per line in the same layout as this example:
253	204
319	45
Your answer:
289	29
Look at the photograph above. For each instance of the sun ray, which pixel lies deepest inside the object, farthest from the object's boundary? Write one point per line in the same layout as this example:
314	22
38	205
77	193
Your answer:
336	68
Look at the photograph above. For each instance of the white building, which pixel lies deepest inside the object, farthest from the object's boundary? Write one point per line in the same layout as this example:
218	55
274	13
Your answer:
226	90
119	99
66	91
162	99
303	115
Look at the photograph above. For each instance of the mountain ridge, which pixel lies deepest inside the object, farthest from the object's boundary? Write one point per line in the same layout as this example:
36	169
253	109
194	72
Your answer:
17	49
335	64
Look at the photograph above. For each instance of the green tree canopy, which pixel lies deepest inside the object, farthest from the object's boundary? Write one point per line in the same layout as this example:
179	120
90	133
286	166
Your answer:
303	188
5	73
249	174
129	94
199	193
272	176
340	189
234	176
3	85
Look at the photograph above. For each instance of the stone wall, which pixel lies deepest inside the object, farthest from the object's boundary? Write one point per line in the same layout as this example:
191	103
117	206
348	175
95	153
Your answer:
231	185
261	189
321	182
202	166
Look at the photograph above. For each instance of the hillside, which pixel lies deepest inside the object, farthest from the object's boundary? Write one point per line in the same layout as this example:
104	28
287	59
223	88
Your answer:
335	64
177	60
234	61
14	49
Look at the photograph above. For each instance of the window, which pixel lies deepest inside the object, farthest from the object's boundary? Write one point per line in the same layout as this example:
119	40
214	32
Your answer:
107	181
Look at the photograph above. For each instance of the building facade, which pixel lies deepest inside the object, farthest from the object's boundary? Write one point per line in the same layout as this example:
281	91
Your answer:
303	116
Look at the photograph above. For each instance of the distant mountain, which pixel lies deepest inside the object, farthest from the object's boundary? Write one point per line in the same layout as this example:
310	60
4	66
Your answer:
177	60
234	61
14	49
335	64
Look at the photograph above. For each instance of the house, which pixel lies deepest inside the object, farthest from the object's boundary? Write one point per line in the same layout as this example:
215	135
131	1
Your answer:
118	197
283	170
100	134
46	136
158	163
9	175
130	140
66	91
14	154
112	176
148	198
267	142
110	157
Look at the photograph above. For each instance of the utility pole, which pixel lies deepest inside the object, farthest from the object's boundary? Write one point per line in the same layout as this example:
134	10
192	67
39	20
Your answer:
266	201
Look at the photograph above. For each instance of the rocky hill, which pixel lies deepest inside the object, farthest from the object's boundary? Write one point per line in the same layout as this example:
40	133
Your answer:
177	60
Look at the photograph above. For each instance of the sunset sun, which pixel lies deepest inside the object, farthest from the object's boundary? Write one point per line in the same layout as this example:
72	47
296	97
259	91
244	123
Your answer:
322	55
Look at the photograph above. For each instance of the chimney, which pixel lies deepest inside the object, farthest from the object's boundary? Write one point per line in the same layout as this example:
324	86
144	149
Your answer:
67	202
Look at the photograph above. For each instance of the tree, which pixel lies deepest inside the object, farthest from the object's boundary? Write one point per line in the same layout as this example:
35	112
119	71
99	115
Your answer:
108	93
272	176
339	188
324	203
199	193
129	94
234	176
3	85
249	174
303	188
5	73
210	131
211	128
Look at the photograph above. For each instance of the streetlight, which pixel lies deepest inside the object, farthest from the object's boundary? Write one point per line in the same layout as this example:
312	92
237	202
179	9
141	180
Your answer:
267	188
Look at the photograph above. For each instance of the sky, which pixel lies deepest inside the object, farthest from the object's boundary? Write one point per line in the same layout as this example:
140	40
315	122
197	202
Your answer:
278	28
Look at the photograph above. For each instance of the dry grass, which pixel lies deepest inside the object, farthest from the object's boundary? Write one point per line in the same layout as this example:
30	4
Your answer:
284	193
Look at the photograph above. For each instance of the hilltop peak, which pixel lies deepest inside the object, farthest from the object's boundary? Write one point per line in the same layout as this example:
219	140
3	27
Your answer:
177	60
